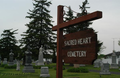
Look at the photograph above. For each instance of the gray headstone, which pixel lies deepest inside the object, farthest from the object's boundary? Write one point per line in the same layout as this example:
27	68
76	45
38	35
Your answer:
21	61
5	61
28	68
0	59
114	64
18	65
44	72
33	61
40	57
119	62
97	63
11	59
105	69
15	61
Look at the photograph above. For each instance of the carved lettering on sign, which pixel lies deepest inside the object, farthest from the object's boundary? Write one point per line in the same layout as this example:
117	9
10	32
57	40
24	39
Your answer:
76	54
80	41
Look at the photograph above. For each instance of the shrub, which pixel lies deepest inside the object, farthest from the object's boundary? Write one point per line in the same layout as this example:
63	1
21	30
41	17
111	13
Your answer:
81	70
36	67
73	70
10	67
2	65
84	70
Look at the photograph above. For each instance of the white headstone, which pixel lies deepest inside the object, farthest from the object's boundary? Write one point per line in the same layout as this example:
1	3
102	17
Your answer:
40	57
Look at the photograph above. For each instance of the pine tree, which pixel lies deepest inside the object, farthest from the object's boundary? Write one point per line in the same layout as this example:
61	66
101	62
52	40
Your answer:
39	32
84	25
81	26
69	16
8	43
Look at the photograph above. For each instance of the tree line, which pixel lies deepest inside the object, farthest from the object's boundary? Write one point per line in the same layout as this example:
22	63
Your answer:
39	32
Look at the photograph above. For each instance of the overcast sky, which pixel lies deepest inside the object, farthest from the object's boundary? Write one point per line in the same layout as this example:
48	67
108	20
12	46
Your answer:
13	12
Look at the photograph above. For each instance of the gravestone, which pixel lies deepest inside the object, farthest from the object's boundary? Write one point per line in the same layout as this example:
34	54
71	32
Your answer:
21	61
40	57
36	62
5	61
44	72
18	62
0	59
114	64
33	61
119	62
28	68
105	69
18	65
15	61
97	63
11	59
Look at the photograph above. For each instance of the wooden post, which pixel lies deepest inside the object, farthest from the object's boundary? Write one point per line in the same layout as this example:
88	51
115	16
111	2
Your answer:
59	43
59	28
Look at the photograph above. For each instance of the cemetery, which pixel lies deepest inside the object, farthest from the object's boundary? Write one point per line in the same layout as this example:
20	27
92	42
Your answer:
13	73
73	51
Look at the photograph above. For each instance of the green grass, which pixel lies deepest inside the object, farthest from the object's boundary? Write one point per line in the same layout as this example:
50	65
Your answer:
12	73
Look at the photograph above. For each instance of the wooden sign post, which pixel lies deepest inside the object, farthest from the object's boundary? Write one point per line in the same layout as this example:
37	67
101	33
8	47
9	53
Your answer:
59	29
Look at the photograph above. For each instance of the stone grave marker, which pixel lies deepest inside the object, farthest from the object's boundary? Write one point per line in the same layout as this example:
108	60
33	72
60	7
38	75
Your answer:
5	61
97	63
0	59
18	65
21	62
28	68
11	59
18	62
105	69
119	62
114	64
40	57
44	72
15	61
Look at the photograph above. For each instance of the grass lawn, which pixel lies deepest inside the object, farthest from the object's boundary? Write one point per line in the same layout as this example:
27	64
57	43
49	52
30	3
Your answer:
12	73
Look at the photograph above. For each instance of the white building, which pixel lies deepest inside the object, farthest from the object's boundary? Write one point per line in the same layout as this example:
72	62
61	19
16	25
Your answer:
108	58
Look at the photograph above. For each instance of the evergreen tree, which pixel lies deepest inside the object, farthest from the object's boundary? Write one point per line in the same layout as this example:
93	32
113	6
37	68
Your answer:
81	26
8	43
69	16
39	32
